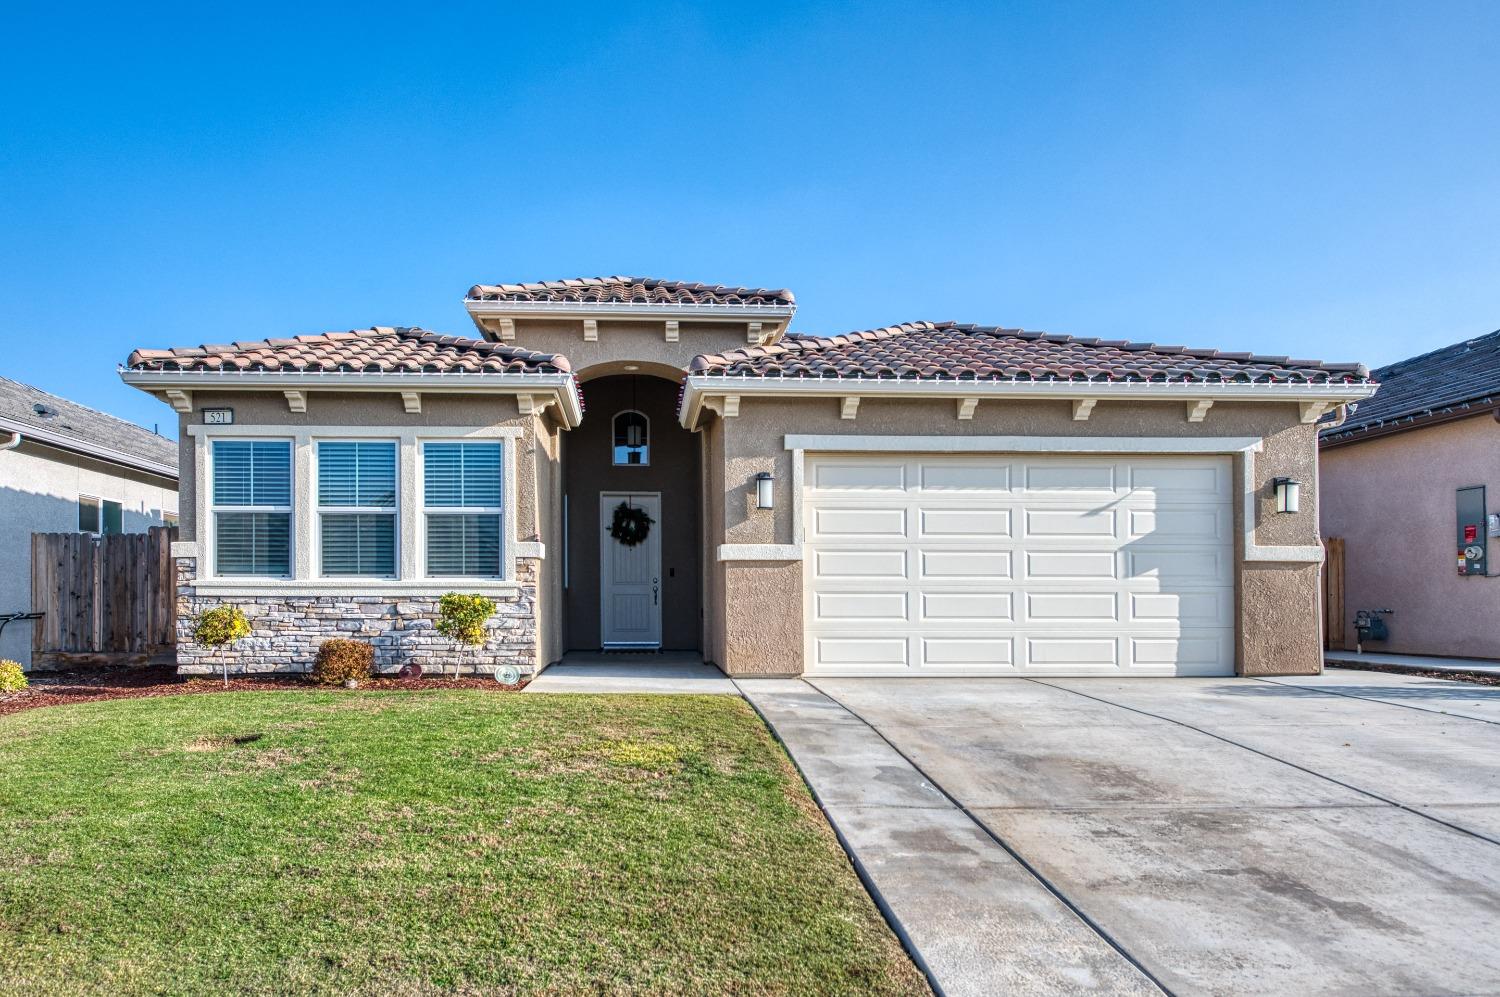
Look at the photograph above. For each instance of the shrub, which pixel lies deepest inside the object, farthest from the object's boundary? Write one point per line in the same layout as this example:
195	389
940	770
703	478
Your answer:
12	679
461	617
341	659
220	625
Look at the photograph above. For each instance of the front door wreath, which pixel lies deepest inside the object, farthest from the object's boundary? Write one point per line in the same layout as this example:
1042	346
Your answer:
631	525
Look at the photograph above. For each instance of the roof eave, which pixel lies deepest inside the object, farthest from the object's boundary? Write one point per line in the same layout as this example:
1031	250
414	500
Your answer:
480	309
72	444
562	385
700	386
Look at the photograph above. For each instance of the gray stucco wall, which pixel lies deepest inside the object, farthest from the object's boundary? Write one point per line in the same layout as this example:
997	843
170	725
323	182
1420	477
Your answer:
39	490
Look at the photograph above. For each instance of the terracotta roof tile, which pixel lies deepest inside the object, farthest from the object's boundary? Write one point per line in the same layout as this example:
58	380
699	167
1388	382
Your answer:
630	290
382	350
949	351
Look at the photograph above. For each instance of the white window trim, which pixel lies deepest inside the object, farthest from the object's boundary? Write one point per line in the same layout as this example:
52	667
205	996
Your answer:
411	557
320	510
208	520
612	444
506	513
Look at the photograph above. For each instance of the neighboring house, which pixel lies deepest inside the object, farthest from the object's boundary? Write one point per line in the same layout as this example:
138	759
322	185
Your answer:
1404	477
925	499
66	468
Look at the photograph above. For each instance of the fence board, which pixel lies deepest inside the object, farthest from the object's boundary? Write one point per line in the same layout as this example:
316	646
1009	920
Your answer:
1334	612
110	596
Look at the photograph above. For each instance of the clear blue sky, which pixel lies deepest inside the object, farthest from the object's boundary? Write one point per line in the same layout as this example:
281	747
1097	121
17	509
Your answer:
1319	179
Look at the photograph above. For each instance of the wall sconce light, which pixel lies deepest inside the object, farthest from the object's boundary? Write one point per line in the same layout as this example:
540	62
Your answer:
764	497
1288	495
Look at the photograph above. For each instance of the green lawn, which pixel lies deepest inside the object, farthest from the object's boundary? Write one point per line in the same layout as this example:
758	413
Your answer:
380	842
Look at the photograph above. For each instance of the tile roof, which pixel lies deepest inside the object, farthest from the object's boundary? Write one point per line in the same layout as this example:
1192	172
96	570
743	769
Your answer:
23	408
631	291
1450	380
949	351
379	350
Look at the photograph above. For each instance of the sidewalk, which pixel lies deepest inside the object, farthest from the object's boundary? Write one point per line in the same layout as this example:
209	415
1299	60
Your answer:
1412	662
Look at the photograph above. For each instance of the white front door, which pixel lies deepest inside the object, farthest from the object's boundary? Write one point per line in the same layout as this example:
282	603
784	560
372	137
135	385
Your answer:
630	577
1019	565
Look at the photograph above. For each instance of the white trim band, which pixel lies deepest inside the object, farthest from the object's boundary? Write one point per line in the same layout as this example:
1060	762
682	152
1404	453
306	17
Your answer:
759	552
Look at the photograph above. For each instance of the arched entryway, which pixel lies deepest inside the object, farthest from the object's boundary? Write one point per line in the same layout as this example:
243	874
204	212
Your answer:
630	450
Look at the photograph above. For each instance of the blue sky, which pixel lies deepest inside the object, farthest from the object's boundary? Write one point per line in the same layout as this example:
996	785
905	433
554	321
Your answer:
1312	179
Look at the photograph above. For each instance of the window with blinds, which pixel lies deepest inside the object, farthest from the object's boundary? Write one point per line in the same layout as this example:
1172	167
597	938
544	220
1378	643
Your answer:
357	508
252	507
461	496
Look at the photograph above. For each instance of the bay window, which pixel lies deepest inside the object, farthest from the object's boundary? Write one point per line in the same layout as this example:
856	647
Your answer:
252	507
357	508
461	498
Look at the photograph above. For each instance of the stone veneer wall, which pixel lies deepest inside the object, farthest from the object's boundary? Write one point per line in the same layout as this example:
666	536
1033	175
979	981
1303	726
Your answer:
286	630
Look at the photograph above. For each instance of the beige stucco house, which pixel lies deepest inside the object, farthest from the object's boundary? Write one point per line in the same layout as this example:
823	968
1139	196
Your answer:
924	499
1409	481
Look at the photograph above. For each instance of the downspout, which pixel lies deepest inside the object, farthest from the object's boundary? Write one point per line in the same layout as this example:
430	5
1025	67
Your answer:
15	441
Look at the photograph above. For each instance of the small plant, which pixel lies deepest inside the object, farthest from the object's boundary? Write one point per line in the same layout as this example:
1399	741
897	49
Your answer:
12	678
343	660
462	617
220	627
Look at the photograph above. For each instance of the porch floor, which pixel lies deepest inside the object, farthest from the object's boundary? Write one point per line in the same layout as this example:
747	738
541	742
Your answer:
667	672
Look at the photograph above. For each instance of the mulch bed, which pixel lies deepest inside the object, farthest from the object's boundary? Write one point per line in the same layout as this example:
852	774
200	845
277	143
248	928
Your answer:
1474	678
89	685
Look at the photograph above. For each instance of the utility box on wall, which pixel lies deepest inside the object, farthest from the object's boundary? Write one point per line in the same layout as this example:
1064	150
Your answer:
1473	544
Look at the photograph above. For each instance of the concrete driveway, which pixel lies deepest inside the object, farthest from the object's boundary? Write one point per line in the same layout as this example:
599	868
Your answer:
1337	834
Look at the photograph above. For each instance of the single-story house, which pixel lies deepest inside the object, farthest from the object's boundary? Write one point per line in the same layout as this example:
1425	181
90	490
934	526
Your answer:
1406	480
629	463
67	468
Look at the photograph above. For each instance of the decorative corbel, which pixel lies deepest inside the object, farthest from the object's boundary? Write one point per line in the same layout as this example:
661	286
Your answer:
411	401
1313	411
534	404
752	334
1197	409
726	406
181	401
1083	408
672	330
296	401
591	330
849	407
506	329
966	407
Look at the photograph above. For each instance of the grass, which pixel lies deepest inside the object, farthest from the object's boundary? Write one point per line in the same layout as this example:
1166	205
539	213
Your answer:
409	842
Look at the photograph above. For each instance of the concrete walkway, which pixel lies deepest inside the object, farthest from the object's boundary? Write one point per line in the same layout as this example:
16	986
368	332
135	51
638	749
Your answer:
670	673
1412	662
980	922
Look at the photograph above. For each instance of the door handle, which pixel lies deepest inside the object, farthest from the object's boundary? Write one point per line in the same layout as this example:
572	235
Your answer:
654	583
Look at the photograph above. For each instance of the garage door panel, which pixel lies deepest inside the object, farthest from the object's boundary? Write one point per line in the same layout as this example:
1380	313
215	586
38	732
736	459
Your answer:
876	523
1010	566
1072	607
859	565
1059	564
965	523
963	607
967	652
1072	476
971	564
966	475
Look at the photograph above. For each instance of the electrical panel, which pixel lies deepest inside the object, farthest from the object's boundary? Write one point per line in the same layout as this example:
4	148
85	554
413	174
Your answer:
1473	543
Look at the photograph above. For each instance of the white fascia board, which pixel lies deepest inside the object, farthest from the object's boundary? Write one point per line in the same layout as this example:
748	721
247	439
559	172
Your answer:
707	312
562	386
73	444
696	388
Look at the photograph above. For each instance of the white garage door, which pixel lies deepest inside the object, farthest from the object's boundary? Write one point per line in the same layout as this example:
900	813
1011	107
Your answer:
993	565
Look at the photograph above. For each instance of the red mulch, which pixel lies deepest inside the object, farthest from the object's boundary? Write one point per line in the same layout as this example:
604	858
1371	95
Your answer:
1473	678
89	685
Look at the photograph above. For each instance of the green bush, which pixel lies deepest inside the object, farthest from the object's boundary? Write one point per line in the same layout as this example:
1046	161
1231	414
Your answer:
341	659
12	679
461	617
220	625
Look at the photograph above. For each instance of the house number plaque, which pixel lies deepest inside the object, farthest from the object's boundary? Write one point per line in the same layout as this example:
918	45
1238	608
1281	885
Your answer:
218	416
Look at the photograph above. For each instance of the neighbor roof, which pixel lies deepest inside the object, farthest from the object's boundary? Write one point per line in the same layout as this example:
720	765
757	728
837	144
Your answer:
1428	388
949	351
56	421
631	291
379	350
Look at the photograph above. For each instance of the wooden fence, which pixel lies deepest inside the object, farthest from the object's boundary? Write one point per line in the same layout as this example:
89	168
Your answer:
107	600
1333	594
